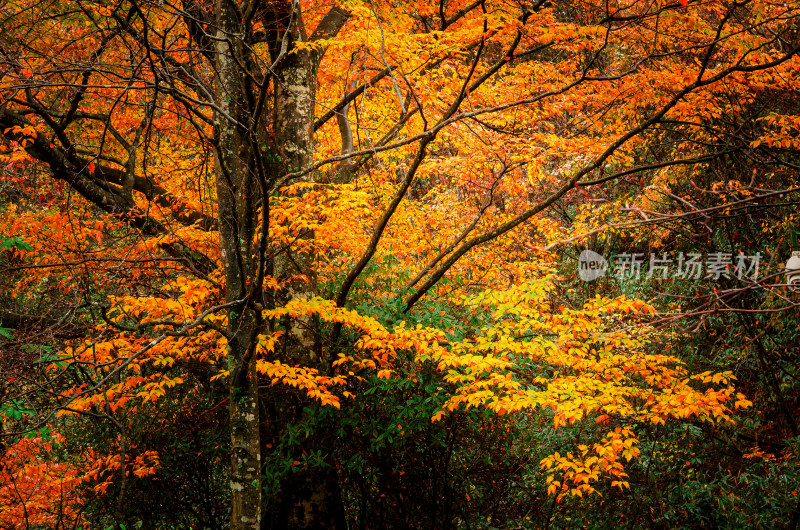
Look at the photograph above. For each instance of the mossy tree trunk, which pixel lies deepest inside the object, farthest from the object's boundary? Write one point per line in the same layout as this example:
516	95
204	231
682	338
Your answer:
257	142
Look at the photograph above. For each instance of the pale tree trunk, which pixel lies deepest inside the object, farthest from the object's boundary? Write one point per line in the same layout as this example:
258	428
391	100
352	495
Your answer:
310	498
235	199
295	90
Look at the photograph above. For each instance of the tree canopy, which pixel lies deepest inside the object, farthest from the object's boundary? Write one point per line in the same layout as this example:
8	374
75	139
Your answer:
299	264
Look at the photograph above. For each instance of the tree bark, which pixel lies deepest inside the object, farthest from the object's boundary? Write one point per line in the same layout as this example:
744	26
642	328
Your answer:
312	502
247	161
237	226
311	498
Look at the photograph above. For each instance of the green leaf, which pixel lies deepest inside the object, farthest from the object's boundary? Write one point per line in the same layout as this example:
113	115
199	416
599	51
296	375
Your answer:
14	242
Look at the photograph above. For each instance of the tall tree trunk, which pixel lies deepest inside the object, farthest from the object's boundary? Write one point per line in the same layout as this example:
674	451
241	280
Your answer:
310	498
236	204
295	91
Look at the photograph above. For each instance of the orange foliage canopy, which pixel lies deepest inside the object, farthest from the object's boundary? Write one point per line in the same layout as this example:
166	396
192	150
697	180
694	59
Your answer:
516	105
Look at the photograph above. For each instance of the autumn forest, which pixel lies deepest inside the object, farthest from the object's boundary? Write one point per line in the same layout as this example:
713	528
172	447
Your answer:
366	264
